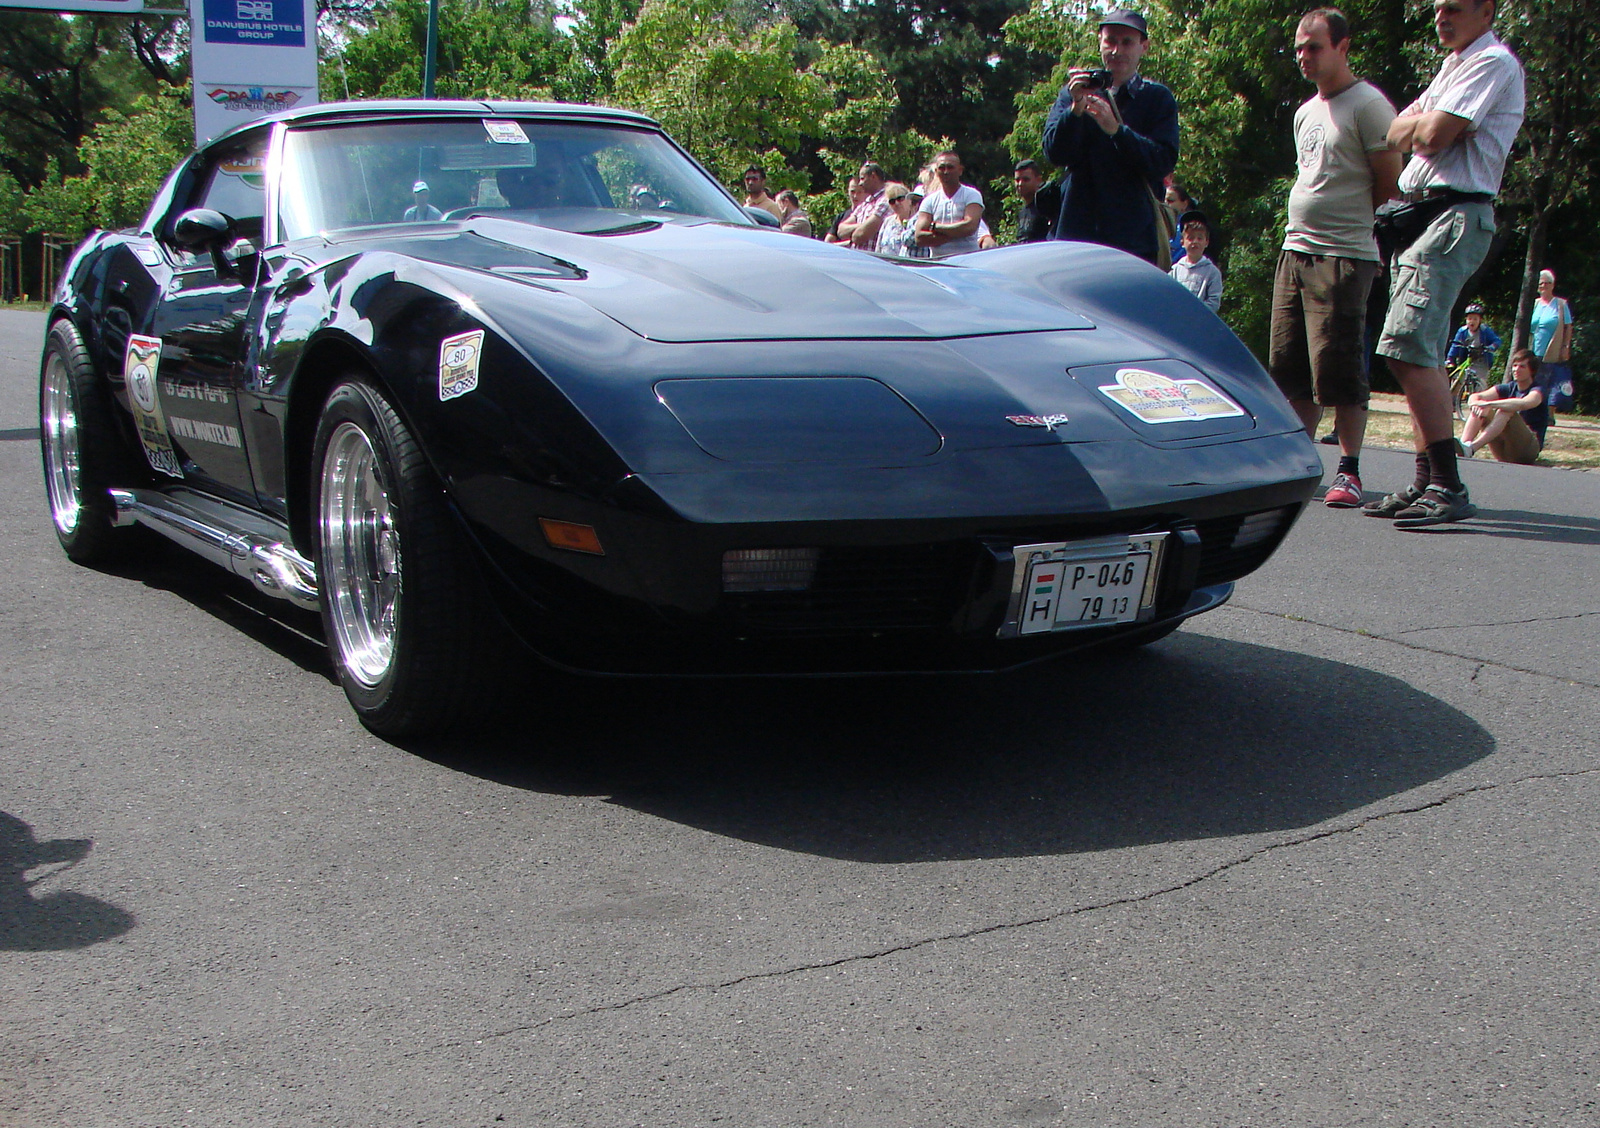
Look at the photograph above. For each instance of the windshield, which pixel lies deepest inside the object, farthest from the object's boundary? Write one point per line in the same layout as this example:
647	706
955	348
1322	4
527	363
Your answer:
575	176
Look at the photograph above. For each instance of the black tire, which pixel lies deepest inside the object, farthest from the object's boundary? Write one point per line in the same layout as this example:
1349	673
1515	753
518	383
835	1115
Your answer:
402	603
82	453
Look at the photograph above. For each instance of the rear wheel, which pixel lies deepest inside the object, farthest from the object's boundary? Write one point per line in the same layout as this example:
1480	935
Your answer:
81	450
402	605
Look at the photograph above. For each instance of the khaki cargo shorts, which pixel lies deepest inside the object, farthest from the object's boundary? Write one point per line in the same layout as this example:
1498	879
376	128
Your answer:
1427	280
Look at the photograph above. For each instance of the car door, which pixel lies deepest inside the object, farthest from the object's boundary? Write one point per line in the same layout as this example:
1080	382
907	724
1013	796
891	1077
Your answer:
203	319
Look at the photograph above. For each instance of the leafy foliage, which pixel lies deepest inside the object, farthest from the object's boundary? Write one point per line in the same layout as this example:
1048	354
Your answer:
500	49
736	88
125	159
59	76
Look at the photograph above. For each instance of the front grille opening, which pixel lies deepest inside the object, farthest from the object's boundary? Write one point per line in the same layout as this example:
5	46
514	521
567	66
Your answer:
769	569
894	588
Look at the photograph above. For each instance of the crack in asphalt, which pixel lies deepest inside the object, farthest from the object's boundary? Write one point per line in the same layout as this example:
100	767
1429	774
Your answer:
1009	926
1434	650
1503	623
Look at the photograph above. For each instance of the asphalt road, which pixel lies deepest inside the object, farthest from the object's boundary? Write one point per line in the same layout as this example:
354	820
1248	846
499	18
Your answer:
1327	856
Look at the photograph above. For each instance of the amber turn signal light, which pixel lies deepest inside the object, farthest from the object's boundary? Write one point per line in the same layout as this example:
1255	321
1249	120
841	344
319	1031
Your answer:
577	538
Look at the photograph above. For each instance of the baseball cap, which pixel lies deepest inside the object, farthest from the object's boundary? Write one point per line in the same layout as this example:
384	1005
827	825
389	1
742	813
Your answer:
1193	215
1126	17
420	186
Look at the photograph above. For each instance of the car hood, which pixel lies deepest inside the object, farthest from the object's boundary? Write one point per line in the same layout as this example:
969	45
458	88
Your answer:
707	282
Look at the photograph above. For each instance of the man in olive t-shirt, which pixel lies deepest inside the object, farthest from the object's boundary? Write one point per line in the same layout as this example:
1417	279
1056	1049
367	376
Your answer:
1329	257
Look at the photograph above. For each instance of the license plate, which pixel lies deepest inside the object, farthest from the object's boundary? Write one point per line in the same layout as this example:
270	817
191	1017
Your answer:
1092	583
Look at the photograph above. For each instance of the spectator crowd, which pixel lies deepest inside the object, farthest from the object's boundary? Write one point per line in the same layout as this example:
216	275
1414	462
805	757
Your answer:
1383	201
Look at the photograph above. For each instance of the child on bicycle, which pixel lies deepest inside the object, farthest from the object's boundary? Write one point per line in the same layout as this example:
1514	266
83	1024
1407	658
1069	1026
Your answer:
1474	341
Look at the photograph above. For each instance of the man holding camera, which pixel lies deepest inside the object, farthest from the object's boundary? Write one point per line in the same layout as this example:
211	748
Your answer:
1329	257
1458	134
1116	135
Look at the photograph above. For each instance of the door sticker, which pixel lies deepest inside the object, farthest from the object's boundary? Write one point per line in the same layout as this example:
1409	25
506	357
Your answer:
1153	398
458	364
139	370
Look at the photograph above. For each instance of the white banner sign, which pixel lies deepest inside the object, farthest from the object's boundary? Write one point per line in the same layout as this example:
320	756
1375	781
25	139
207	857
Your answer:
251	58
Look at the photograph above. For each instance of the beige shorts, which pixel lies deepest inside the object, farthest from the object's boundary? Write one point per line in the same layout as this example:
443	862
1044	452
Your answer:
1427	279
1517	443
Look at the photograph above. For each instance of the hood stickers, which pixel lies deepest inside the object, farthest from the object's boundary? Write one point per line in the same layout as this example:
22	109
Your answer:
458	364
1151	397
139	366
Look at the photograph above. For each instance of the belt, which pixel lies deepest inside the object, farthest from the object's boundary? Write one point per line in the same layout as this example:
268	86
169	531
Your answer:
1447	196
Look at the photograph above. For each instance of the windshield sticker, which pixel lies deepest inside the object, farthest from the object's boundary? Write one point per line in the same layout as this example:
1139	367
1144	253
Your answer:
506	133
139	366
1153	398
458	364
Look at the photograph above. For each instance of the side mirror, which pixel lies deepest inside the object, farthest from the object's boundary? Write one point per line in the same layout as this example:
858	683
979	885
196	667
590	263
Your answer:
201	229
762	217
204	230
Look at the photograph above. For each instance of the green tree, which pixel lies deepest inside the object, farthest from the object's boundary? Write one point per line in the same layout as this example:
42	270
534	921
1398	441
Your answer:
1551	169
499	49
595	27
59	76
124	159
738	85
730	95
953	69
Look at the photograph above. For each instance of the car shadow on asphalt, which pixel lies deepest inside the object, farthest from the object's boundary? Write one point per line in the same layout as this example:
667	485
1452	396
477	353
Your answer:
1192	738
1519	524
290	631
55	919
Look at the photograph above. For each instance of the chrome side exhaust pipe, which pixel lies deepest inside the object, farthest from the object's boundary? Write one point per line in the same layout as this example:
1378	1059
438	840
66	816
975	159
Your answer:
240	540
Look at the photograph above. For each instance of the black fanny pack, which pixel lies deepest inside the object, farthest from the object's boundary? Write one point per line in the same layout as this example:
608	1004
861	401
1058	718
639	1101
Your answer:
1399	223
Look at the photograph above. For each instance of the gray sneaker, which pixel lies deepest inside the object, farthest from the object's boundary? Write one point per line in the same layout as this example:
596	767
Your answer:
1392	503
1436	506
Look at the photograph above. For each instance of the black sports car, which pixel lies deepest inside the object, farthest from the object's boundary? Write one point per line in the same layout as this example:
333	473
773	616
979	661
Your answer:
441	368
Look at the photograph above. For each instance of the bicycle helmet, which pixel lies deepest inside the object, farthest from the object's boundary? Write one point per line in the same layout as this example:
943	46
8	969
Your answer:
1475	308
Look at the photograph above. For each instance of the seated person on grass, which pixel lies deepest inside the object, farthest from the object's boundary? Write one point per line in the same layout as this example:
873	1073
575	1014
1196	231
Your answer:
1510	418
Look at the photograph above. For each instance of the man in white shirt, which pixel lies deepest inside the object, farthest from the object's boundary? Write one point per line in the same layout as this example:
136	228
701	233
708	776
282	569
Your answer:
1344	169
1458	134
947	222
420	210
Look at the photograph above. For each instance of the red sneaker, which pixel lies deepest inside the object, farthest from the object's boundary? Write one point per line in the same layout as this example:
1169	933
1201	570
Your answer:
1344	493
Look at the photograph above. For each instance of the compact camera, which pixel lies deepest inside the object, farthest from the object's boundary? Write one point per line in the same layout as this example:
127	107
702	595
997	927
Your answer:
1098	79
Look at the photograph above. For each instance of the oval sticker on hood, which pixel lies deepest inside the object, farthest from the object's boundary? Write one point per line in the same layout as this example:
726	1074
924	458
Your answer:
1152	397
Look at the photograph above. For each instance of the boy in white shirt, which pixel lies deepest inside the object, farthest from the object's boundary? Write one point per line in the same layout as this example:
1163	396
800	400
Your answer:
1197	272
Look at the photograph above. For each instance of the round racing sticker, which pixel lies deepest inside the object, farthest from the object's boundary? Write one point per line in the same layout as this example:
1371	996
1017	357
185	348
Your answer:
142	386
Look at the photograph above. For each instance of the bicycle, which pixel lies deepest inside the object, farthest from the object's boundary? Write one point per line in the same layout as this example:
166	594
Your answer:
1464	381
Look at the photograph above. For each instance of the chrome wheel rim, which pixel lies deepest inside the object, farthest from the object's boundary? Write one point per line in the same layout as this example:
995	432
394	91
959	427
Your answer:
360	567
62	462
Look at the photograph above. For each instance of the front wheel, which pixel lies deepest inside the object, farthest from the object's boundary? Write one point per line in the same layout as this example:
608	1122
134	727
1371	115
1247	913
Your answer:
401	604
1462	389
80	448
